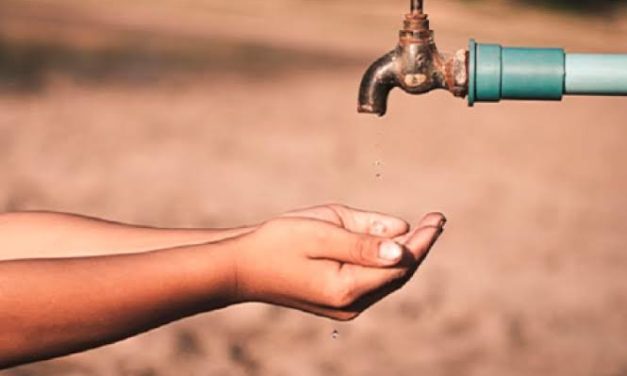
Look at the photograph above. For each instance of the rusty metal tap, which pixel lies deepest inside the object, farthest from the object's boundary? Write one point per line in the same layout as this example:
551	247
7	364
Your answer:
415	65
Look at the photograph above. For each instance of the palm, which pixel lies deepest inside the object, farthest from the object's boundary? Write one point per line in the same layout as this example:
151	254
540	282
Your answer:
417	243
370	222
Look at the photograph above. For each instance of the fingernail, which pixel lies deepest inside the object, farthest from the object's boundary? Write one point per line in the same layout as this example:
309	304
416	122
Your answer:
390	251
378	228
439	233
442	223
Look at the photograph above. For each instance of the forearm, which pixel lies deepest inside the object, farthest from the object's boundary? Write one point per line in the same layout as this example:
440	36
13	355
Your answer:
51	235
82	303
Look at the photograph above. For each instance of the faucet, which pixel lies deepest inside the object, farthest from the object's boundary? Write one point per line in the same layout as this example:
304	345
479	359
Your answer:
485	72
415	65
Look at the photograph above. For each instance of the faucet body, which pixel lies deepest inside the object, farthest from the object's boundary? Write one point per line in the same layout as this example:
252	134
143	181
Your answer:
415	65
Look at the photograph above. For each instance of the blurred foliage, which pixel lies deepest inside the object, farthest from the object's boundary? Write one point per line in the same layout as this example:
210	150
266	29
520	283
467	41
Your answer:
28	65
578	6
596	6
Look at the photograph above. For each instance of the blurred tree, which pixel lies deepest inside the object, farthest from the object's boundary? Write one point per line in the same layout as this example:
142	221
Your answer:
579	5
21	67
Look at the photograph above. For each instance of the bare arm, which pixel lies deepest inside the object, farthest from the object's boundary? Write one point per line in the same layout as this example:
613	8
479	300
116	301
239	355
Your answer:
81	302
52	235
53	307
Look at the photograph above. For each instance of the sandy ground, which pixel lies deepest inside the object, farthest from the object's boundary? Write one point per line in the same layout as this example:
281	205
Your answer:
530	277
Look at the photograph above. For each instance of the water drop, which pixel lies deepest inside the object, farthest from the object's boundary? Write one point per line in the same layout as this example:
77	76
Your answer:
335	334
378	228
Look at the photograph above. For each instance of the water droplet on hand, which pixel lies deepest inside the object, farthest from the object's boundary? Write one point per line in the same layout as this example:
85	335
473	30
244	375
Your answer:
378	228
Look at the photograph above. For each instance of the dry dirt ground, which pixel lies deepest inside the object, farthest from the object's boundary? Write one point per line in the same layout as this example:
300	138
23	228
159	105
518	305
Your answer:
217	113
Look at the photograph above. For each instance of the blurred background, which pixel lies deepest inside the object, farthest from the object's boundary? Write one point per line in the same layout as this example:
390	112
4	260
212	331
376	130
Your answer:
220	113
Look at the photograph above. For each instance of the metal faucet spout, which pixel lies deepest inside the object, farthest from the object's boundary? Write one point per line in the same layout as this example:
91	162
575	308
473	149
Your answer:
376	84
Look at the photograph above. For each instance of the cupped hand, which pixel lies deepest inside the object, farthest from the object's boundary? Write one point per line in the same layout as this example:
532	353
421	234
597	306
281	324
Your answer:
331	260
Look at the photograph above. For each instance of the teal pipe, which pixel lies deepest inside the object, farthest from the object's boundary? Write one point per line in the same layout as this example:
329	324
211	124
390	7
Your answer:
497	73
596	74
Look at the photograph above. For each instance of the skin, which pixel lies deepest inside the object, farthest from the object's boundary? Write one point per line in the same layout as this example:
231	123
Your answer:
71	283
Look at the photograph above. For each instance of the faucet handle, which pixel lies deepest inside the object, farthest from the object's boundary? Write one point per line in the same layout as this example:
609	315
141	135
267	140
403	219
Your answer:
416	6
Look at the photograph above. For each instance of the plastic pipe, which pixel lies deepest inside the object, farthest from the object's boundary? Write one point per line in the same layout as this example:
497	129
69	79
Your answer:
593	74
497	73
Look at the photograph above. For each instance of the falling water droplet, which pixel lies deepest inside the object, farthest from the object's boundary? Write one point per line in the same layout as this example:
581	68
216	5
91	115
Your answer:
377	165
335	334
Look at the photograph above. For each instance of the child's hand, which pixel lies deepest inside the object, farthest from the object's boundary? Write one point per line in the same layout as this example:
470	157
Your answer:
331	260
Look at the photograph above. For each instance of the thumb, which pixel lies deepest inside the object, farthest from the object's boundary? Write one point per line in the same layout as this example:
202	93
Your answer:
359	249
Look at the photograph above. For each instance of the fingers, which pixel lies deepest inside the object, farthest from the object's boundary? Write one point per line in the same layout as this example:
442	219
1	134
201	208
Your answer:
355	220
370	222
358	249
346	293
322	311
420	240
321	213
374	251
361	282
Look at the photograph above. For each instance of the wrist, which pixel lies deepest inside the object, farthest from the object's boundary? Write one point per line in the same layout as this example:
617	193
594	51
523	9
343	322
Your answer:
222	271
239	277
205	275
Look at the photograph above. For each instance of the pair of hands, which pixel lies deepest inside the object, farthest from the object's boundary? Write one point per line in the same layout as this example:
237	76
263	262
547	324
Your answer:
330	260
